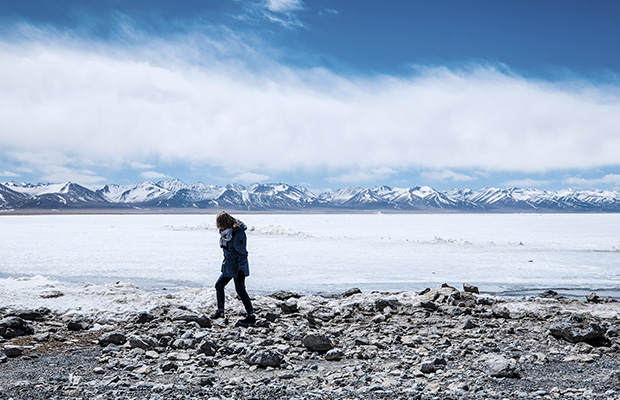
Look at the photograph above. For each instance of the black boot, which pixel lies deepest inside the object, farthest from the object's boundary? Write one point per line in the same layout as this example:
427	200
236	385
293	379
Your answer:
250	320
218	314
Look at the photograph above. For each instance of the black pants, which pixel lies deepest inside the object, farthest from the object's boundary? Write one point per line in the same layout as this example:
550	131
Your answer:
239	287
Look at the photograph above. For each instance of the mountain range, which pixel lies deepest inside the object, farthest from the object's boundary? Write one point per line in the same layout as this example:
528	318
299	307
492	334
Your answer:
175	194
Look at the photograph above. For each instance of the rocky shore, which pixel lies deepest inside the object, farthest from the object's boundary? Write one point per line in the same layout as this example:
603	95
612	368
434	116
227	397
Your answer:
442	343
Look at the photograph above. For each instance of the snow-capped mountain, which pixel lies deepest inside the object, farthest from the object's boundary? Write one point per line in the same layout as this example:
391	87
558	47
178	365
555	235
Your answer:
281	196
52	196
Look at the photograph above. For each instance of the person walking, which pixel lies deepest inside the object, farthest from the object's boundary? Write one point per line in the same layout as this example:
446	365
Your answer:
233	242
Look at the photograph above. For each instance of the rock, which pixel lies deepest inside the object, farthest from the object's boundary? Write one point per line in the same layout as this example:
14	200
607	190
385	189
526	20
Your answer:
271	317
151	354
334	355
136	342
202	320
428	367
165	331
116	337
351	292
593	298
551	294
377	319
264	357
411	341
79	323
289	306
207	347
144	317
13	351
469	324
178	356
318	343
501	312
51	294
31	315
381	304
184	343
575	332
11	327
468	288
498	366
284	295
429	305
169	366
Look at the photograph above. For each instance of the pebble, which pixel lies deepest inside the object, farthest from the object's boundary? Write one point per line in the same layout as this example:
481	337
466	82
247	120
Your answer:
443	343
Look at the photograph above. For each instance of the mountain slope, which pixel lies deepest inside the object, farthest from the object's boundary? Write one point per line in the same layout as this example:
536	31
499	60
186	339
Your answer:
281	196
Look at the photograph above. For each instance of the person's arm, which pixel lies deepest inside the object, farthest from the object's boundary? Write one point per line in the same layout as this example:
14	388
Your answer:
239	243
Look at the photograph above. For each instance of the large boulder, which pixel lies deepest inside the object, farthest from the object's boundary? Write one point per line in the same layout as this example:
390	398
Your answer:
207	347
116	337
264	357
498	366
79	323
318	343
577	331
188	316
11	327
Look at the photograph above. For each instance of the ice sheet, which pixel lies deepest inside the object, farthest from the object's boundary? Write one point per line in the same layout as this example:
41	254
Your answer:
314	253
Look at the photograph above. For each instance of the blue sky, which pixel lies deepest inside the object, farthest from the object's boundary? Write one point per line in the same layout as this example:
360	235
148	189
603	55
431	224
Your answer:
324	94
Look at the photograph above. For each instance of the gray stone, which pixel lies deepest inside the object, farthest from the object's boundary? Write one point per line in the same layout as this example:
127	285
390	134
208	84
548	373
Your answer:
318	343
115	337
289	306
428	367
593	298
207	347
11	327
136	342
31	315
469	324
498	366
351	292
468	288
264	357
284	295
202	320
169	366
79	323
184	344
575	332
381	304
334	355
13	351
501	312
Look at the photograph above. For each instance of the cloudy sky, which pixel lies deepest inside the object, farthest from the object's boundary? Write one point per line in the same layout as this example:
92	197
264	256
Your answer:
324	94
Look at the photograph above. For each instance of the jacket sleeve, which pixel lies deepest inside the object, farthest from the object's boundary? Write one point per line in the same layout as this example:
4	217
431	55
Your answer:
239	243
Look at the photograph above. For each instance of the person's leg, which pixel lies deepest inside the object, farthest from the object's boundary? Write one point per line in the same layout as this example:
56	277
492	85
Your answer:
243	294
219	290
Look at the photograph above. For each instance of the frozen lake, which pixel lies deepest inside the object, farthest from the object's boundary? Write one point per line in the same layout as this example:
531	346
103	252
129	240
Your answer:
508	253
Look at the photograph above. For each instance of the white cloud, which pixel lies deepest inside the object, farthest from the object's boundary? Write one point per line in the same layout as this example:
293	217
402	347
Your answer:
97	105
283	5
609	179
364	175
54	166
9	174
527	183
249	177
154	175
446	175
140	165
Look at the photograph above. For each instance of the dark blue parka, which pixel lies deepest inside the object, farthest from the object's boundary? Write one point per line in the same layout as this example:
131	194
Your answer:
236	253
